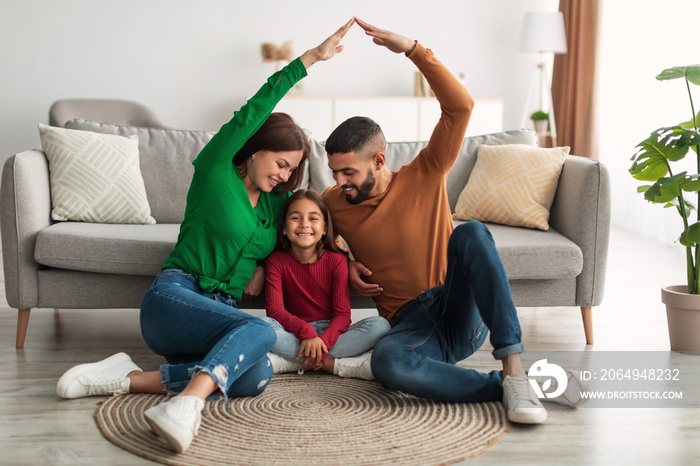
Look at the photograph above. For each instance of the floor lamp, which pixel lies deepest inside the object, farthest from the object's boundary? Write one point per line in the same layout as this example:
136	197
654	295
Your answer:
543	32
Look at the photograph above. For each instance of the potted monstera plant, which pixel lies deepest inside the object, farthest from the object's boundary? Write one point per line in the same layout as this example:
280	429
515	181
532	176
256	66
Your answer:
656	161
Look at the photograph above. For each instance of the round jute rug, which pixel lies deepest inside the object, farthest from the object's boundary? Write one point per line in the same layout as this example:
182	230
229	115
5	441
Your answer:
315	418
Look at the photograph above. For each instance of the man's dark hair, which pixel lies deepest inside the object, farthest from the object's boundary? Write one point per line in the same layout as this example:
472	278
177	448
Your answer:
355	135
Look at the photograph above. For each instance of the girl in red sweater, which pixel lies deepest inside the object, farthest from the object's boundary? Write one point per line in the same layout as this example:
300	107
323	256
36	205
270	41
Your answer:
308	297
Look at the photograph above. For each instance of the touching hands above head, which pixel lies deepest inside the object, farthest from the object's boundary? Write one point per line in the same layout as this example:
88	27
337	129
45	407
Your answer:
331	46
388	39
328	48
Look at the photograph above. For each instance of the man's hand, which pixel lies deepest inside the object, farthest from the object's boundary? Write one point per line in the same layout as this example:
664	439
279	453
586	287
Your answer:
313	350
328	48
355	272
388	39
255	285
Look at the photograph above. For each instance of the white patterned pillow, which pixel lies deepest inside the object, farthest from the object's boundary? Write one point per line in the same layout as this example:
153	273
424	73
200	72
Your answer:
512	184
95	177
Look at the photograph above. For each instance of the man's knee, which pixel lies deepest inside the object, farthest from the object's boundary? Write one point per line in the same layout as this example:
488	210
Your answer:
472	234
471	229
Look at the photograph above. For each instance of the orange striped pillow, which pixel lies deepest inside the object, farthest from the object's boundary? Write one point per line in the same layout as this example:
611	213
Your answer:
512	184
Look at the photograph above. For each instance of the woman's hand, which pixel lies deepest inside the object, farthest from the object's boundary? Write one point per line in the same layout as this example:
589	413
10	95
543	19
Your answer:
313	350
355	272
388	39
328	47
255	285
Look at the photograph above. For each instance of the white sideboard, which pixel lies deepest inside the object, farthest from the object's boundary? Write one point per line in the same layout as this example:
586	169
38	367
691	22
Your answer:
401	118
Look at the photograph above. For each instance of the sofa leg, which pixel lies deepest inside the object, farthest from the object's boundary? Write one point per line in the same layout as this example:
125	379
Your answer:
587	315
58	322
22	324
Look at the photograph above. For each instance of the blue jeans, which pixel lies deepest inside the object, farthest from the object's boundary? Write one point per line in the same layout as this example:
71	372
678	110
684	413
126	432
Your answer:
359	338
195	330
449	323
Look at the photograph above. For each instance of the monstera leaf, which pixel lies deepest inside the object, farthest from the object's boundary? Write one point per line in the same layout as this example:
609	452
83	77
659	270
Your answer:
651	160
691	124
691	73
691	235
667	189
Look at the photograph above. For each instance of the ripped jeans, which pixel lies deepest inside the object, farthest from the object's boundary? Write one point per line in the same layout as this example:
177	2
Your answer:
195	330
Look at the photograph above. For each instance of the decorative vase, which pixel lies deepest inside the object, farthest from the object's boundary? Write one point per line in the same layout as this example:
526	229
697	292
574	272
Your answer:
683	315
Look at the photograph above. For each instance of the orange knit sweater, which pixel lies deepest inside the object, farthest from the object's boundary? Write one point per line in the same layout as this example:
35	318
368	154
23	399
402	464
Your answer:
402	234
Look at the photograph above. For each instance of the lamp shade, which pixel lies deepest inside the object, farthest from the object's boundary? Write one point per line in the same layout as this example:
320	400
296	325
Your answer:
543	31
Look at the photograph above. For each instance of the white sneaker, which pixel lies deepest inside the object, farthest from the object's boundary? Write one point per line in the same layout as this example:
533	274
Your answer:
176	420
281	365
106	377
521	401
358	367
572	394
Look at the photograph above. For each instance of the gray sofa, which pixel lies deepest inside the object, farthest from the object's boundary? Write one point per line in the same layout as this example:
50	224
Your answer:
76	265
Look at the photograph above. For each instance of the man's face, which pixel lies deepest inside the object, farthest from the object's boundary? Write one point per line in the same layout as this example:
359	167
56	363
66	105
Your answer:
353	175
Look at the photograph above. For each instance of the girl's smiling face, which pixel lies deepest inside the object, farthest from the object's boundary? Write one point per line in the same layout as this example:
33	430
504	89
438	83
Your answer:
304	225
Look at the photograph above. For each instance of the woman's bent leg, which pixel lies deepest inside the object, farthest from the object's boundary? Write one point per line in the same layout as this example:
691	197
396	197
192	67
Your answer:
178	318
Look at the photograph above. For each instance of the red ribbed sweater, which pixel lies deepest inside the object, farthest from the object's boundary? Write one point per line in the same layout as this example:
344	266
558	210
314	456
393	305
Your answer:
297	293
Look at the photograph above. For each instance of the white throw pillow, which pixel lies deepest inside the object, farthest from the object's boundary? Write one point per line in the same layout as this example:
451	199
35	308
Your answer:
95	177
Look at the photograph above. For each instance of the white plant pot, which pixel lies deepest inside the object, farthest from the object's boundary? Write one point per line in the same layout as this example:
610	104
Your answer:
541	126
683	315
541	131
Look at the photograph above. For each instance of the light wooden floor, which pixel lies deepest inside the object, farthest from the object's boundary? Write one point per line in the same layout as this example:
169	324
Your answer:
36	427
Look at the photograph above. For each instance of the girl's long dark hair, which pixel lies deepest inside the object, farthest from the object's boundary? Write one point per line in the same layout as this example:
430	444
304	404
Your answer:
327	243
279	133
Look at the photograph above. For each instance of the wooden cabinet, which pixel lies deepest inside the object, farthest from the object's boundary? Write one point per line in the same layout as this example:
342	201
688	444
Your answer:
401	118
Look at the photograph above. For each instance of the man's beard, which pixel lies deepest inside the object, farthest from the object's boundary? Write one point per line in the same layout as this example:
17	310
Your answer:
363	190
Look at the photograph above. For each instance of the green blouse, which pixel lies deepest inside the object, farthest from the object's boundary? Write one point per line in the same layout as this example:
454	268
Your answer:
222	236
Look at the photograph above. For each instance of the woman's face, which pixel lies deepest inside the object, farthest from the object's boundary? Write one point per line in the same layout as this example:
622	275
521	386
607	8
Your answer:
268	169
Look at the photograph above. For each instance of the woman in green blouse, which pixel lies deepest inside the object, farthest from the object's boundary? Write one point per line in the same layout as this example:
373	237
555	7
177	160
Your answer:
190	313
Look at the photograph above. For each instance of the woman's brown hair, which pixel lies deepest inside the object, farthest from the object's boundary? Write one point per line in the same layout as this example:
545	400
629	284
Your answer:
279	133
327	243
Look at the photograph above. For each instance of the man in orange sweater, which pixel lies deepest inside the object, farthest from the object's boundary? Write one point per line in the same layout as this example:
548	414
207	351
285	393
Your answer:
442	289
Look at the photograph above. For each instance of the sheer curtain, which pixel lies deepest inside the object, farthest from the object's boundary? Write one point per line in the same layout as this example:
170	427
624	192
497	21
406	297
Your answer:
636	44
575	76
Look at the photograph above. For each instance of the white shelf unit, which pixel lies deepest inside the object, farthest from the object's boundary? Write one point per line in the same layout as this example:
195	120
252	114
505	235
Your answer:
401	118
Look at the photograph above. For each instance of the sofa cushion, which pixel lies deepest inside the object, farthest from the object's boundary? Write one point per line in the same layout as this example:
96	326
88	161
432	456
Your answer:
512	184
166	163
400	153
95	177
535	254
143	249
103	248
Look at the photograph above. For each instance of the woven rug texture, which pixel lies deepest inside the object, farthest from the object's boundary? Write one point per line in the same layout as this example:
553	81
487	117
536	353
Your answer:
315	419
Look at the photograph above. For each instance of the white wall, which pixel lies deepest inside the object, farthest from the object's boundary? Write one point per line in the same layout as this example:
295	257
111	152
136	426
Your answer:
636	46
194	62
